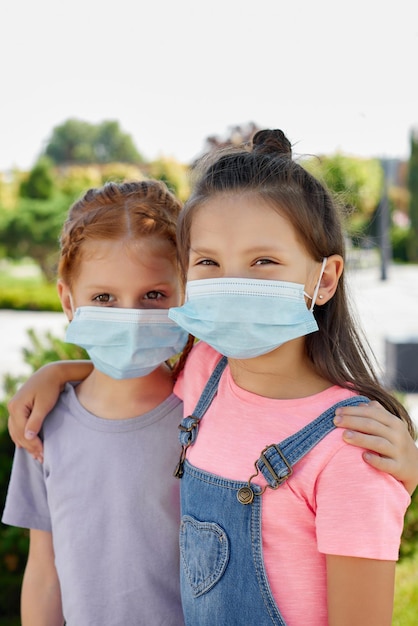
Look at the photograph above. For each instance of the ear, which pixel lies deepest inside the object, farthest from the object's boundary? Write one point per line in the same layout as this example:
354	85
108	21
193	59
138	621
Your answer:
330	277
65	297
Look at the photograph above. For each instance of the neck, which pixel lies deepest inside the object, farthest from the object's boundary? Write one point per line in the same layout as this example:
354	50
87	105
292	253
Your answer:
123	399
284	373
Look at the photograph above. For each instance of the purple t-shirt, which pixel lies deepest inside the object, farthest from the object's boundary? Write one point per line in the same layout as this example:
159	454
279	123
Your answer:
107	493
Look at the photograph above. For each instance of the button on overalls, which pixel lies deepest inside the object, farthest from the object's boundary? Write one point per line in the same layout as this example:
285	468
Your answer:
223	579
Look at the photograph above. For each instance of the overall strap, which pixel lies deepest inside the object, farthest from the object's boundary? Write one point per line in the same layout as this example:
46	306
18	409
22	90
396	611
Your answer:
189	425
277	460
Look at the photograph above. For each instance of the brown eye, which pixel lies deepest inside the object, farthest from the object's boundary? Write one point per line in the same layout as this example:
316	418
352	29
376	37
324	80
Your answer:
104	298
263	262
154	295
206	262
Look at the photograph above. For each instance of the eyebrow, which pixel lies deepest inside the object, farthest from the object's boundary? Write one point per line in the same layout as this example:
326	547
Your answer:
199	250
115	288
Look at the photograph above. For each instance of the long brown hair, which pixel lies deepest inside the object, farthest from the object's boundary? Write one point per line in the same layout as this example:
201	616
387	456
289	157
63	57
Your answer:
338	351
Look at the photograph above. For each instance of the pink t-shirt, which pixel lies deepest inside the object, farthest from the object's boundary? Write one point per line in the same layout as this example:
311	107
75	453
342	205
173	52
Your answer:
334	502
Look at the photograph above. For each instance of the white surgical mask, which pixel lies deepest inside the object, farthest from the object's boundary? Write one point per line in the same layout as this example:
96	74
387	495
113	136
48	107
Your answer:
126	343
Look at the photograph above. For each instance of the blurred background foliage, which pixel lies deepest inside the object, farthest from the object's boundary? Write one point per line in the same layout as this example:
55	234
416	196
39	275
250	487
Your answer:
80	155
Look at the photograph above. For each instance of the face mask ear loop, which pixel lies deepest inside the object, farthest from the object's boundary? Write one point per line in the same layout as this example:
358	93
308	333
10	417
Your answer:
315	293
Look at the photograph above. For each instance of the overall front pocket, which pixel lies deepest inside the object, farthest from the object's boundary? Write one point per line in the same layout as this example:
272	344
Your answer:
204	551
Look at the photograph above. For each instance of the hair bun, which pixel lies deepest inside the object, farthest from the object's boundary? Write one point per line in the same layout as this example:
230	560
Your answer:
272	142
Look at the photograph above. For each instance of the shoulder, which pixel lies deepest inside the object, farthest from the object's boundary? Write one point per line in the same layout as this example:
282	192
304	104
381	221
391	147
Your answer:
350	494
26	503
203	357
200	364
369	505
66	405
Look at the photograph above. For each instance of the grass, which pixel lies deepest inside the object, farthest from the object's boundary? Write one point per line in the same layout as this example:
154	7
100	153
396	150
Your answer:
406	593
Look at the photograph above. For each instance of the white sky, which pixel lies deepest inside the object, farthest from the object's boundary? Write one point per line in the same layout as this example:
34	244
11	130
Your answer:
333	75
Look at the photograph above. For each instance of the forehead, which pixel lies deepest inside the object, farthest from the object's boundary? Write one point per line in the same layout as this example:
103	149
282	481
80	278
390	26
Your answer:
149	258
246	215
142	247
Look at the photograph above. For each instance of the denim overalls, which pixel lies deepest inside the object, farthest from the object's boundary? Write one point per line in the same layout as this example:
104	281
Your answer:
223	579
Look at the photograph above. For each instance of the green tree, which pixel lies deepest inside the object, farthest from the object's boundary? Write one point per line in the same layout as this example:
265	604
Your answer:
32	230
77	141
412	243
39	185
71	142
174	174
357	183
112	145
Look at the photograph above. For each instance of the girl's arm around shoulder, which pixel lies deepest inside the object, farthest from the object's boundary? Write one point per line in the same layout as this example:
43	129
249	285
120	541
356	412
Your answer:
41	593
35	399
360	591
389	446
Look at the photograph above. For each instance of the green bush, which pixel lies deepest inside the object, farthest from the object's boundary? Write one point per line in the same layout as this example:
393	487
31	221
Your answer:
40	181
406	592
399	240
31	298
32	230
24	288
13	541
409	544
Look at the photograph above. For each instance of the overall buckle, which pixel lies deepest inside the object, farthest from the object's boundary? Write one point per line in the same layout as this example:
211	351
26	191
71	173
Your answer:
187	436
246	494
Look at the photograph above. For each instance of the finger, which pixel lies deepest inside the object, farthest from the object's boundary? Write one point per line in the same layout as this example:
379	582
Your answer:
34	447
365	425
32	429
393	467
376	444
372	411
381	463
12	432
34	422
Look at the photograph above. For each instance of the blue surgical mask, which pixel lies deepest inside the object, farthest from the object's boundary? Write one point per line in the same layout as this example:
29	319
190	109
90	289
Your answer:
244	318
126	343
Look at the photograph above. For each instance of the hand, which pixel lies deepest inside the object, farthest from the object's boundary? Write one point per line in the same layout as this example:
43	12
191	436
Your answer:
29	407
21	435
390	448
